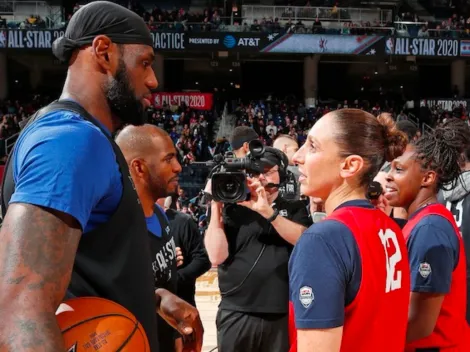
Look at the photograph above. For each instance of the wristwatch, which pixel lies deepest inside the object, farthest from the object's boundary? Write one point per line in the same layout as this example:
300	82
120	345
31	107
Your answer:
274	216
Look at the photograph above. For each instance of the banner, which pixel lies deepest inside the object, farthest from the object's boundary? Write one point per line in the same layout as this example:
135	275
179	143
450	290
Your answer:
438	47
237	41
197	101
326	44
259	42
444	104
28	39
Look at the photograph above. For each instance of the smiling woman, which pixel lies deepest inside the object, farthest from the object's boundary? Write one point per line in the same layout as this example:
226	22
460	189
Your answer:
355	246
436	253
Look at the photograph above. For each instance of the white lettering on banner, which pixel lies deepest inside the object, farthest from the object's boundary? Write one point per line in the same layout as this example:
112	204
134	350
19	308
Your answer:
447	105
194	101
394	277
27	39
426	47
170	41
210	41
248	42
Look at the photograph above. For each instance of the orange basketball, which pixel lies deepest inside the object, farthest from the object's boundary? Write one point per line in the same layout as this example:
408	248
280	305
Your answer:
96	324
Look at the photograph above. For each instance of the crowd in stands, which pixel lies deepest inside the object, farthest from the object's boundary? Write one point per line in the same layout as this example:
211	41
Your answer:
190	130
193	131
271	118
30	22
298	17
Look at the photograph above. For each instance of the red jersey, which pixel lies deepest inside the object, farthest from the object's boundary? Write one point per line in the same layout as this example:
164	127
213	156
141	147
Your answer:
376	319
451	333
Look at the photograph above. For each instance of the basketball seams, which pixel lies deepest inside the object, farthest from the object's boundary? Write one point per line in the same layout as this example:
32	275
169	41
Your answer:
94	318
82	306
136	327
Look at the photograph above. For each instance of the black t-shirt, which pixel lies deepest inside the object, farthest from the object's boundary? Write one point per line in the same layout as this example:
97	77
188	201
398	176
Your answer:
196	262
290	190
251	238
163	250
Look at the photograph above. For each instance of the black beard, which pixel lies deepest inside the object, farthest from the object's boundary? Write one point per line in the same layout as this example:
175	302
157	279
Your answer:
122	100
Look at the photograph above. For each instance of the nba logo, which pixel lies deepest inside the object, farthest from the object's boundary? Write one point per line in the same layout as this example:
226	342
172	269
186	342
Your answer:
390	46
3	39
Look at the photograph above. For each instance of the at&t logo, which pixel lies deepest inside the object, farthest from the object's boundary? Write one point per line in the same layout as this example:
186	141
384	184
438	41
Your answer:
229	41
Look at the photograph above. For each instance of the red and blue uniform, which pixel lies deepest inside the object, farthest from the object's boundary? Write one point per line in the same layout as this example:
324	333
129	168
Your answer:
352	270
438	266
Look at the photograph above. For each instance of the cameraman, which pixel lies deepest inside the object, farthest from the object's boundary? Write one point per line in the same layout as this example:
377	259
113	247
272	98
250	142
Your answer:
251	242
289	146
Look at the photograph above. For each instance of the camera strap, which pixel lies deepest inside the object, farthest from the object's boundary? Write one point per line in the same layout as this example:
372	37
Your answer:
236	288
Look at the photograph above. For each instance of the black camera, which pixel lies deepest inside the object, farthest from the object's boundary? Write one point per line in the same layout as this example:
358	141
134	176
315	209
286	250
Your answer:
229	174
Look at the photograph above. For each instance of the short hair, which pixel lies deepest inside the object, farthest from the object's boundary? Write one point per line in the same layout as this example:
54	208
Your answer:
409	128
241	135
286	136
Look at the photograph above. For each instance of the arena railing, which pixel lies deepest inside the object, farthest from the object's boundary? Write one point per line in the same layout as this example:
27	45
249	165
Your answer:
425	128
14	11
302	13
10	142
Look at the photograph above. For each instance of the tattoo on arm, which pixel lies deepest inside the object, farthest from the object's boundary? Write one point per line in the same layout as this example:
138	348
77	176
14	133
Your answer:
36	260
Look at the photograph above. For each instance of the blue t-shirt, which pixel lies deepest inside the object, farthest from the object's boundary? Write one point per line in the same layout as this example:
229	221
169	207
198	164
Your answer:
66	163
433	251
325	259
153	224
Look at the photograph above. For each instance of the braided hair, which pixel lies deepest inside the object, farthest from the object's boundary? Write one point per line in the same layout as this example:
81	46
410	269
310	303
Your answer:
441	151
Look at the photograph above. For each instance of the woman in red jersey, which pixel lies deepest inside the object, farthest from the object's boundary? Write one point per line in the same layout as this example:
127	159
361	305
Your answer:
436	253
349	273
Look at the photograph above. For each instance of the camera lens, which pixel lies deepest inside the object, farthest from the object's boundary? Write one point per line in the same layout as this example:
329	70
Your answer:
229	187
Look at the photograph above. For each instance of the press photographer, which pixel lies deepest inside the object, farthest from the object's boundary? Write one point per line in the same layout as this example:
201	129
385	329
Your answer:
251	241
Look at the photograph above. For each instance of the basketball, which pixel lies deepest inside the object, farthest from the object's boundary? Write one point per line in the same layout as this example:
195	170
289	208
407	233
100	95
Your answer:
96	324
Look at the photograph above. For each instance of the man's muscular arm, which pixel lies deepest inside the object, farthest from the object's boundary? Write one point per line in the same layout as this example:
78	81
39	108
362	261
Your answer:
37	252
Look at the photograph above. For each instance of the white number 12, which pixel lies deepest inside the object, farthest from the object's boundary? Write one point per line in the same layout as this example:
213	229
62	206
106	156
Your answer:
393	276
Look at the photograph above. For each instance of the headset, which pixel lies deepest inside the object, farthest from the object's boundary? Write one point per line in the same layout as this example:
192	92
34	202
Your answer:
374	190
283	165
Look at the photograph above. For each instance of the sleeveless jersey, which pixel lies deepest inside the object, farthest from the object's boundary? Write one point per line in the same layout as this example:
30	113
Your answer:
460	209
112	261
451	333
383	296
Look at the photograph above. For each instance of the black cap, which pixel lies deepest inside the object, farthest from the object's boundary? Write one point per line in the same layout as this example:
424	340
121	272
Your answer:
241	135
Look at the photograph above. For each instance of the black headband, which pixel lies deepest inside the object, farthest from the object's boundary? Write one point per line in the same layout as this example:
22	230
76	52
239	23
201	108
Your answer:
121	25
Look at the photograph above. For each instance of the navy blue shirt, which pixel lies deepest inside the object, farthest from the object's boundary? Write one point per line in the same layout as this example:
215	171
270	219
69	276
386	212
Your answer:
153	225
433	250
326	259
66	163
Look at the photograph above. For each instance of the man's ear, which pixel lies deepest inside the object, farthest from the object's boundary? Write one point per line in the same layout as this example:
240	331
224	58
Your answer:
105	53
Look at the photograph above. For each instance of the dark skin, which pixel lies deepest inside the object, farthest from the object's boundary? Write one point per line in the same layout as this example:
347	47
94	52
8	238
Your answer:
154	167
39	244
411	187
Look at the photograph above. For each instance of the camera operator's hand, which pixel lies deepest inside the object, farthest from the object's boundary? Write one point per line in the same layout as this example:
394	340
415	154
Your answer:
259	200
208	188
